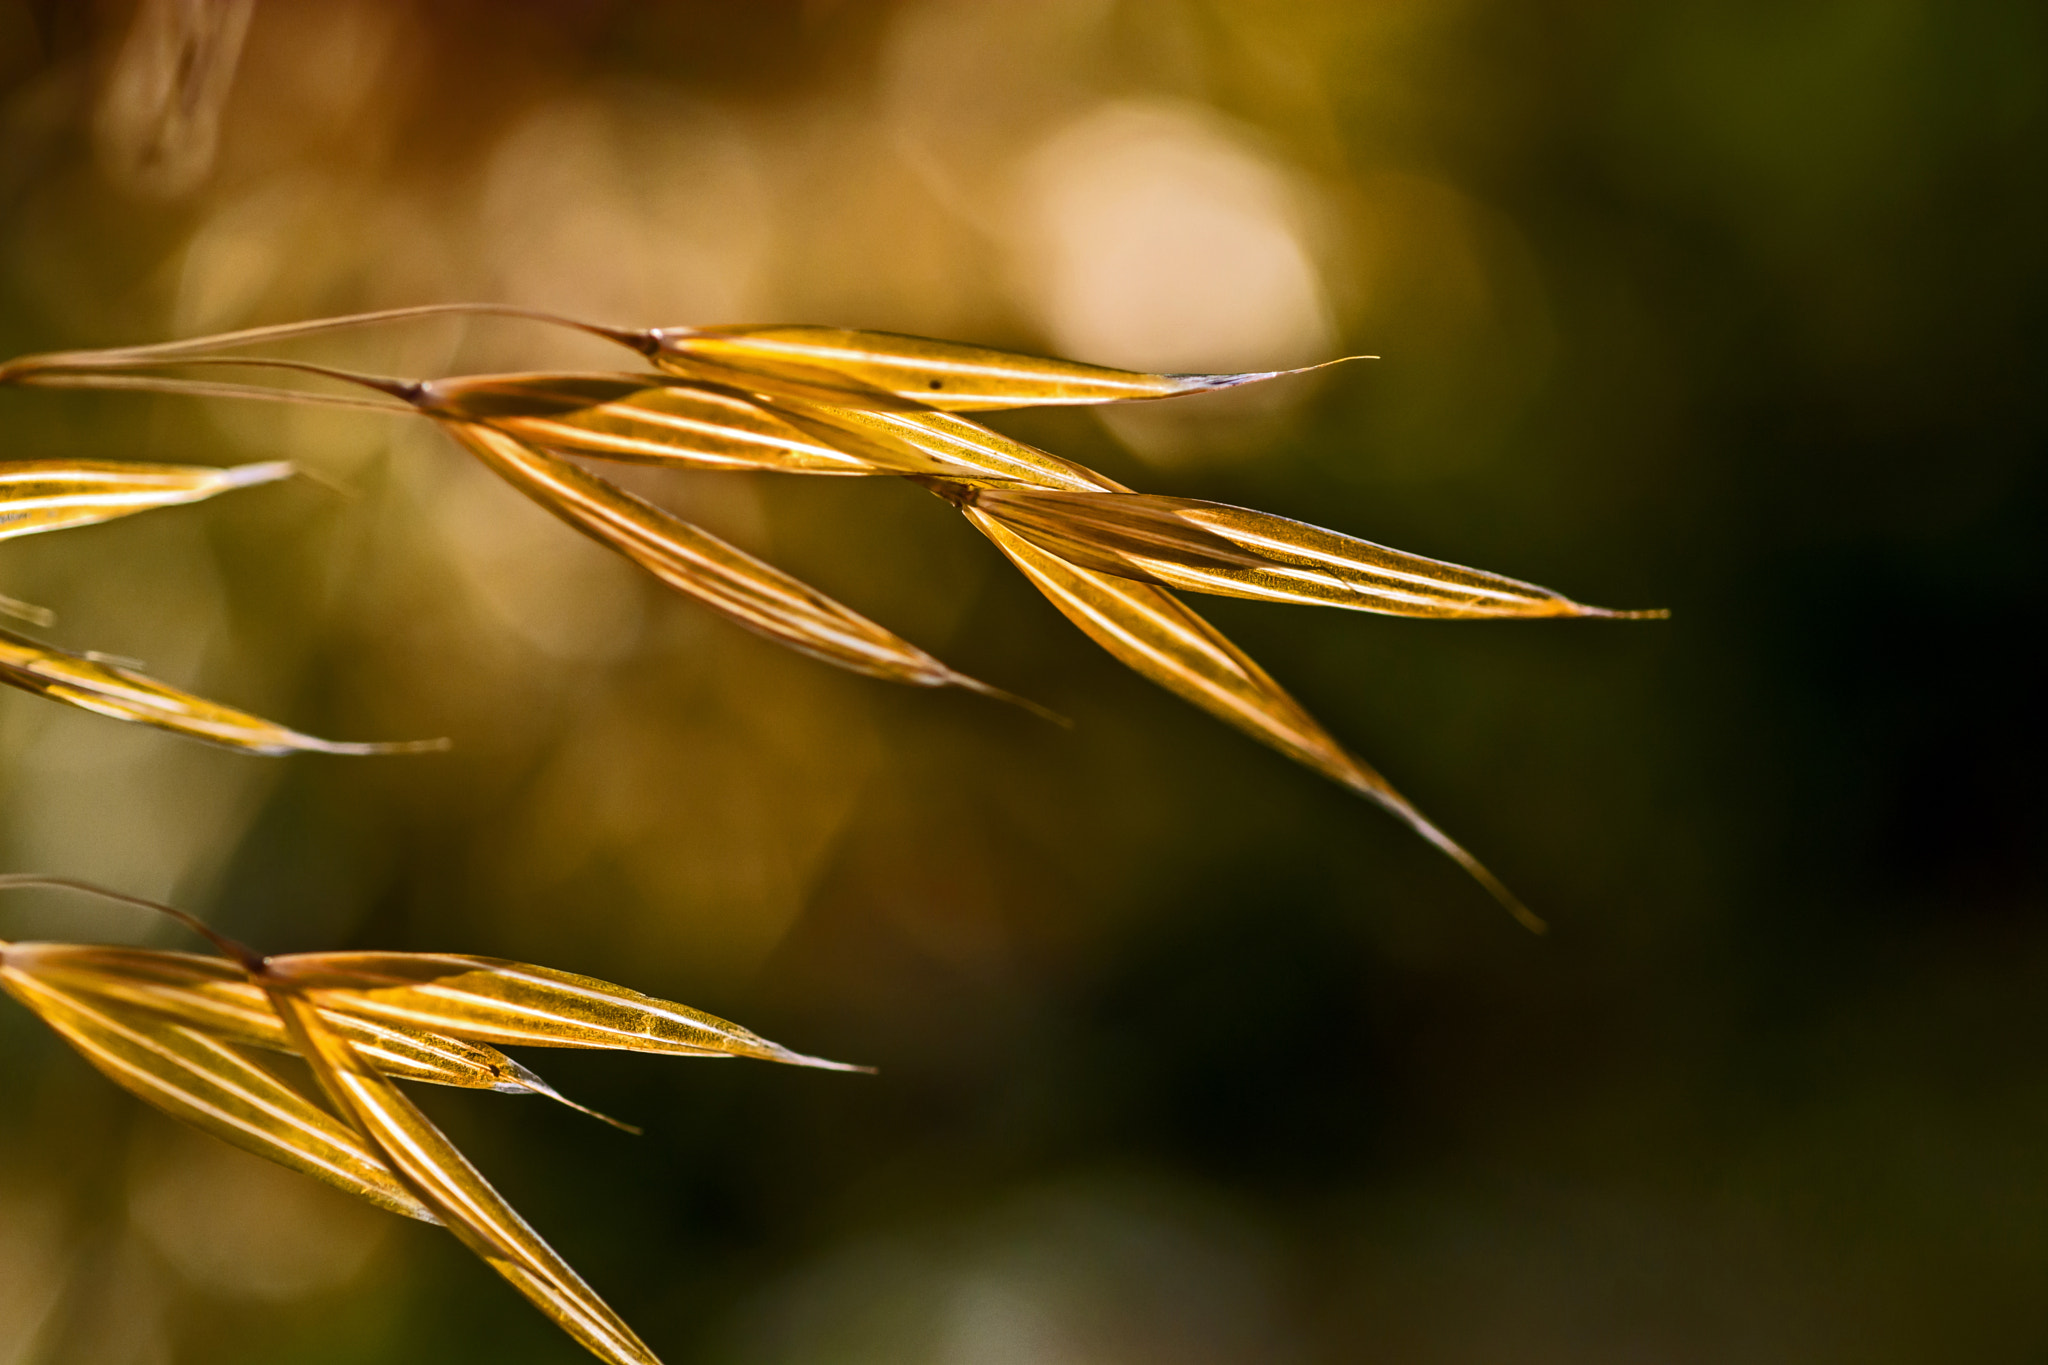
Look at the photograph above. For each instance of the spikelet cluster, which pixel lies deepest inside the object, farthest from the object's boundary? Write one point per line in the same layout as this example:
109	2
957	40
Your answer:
833	401
187	1033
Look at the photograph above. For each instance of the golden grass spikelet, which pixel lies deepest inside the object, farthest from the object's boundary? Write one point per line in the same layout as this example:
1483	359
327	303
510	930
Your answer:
839	365
490	1000
177	1030
942	446
435	1170
216	997
109	689
50	495
1158	637
1214	548
637	419
745	590
626	417
866	369
828	400
214	1085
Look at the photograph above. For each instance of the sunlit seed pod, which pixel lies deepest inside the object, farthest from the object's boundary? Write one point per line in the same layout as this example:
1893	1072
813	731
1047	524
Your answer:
216	997
939	446
214	1086
692	424
149	1020
743	589
1236	552
876	397
713	427
1158	637
828	364
855	368
638	419
490	1000
51	495
429	1165
110	689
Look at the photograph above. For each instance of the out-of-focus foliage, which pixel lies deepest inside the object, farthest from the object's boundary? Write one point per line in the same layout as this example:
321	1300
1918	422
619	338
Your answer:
1730	308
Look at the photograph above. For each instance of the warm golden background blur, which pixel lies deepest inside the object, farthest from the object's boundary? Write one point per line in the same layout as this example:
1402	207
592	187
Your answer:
1187	1057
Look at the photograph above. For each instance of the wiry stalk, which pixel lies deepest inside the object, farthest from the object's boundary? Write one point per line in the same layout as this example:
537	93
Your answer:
247	957
83	364
643	341
828	400
195	388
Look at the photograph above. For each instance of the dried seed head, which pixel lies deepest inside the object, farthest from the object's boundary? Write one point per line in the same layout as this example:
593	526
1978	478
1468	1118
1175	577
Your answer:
109	689
833	400
490	1000
1152	632
52	495
1236	552
174	1029
641	419
885	369
738	586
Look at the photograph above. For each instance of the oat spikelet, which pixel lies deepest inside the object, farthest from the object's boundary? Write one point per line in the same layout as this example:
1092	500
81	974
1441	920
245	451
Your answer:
1152	632
215	1086
176	1029
824	400
882	369
431	1166
106	688
743	589
51	495
1211	547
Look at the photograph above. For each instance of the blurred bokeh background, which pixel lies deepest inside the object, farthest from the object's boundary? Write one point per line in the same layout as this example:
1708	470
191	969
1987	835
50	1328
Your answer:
1186	1056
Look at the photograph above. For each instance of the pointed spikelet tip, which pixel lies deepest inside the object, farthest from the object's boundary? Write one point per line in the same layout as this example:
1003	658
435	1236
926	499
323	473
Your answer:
248	475
1199	382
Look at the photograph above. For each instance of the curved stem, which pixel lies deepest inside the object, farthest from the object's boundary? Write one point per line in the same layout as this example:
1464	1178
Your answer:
641	341
405	390
201	388
248	957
